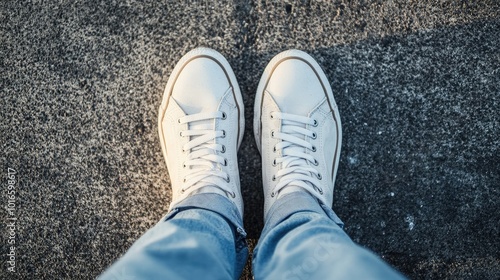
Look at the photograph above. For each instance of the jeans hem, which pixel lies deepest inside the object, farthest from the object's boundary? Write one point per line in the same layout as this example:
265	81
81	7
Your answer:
295	202
211	202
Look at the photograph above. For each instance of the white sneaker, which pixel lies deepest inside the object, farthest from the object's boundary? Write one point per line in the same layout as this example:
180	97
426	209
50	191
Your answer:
297	129
201	124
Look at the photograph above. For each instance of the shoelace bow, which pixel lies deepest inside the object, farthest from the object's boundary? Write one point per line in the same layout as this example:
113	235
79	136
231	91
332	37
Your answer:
203	159
297	166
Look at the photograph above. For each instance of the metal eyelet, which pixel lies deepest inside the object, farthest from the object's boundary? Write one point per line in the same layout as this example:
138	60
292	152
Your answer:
273	194
272	133
228	179
184	181
184	165
223	134
271	115
316	163
274	162
179	120
225	162
223	149
315	124
180	134
314	135
233	194
224	116
274	149
320	191
313	149
319	176
274	178
183	190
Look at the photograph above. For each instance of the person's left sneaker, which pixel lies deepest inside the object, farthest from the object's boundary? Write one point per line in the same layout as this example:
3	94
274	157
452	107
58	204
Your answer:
201	124
297	129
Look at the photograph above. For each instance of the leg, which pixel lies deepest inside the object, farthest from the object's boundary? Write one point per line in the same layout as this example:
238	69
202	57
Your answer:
201	124
299	134
307	242
202	238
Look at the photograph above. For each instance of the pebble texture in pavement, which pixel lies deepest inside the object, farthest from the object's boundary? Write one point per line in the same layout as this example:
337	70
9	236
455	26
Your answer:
417	84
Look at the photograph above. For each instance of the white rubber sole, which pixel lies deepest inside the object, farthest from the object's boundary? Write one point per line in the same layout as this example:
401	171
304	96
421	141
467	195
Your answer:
193	54
297	54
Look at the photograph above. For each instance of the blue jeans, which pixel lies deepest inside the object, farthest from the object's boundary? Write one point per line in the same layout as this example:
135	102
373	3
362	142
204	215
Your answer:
203	238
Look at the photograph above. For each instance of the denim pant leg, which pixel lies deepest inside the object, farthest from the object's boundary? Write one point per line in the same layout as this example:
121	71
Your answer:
311	244
202	238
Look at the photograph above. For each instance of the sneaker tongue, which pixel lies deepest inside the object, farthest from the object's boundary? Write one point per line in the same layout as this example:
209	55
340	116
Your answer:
201	125
207	103
298	135
296	162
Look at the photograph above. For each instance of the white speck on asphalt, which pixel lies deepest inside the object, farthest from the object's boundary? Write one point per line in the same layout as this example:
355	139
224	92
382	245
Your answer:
411	221
353	160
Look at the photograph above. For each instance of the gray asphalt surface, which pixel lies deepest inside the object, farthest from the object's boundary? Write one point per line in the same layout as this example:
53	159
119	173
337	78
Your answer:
417	84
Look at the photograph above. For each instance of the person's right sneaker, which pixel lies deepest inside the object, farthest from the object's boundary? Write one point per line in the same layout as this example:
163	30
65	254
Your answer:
200	124
297	129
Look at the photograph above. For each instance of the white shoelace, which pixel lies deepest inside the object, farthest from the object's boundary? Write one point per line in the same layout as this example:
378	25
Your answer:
297	166
203	158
